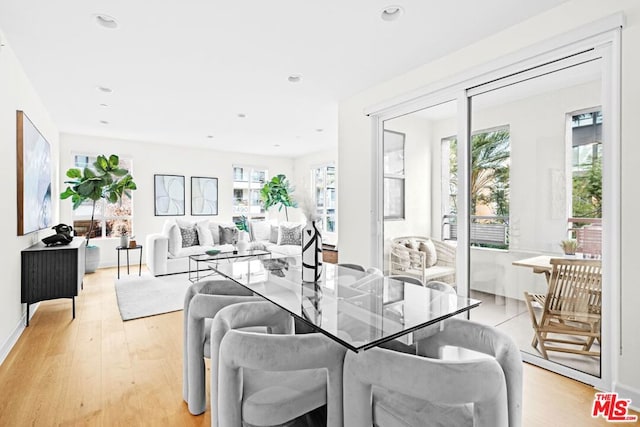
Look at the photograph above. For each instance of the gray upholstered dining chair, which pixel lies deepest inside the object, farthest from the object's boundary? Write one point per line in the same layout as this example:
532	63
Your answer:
201	303
243	315
407	279
417	390
267	380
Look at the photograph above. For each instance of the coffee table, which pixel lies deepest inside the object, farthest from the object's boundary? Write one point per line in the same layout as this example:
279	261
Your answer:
212	261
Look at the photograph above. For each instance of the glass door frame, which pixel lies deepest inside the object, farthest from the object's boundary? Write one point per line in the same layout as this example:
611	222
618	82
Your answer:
536	60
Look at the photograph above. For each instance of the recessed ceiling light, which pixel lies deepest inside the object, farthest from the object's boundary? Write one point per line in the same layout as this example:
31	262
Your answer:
106	21
391	13
242	115
276	145
104	105
210	136
319	130
104	122
104	89
295	78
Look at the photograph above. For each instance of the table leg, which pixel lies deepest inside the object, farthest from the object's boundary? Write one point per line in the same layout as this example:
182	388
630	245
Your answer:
118	263
140	263
127	262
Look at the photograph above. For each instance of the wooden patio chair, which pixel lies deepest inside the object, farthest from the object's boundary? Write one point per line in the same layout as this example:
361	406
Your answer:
571	308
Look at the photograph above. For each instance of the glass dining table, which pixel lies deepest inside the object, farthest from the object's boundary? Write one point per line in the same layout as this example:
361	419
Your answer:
360	310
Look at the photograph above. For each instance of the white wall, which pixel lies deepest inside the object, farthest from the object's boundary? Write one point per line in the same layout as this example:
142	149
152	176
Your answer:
16	93
150	158
356	149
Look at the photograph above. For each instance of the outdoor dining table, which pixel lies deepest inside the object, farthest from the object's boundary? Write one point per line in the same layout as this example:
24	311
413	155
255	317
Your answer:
359	310
539	264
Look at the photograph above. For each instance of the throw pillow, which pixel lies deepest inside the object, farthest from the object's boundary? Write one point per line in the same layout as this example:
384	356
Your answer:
204	233
228	235
431	256
175	239
189	236
259	231
273	236
400	257
290	234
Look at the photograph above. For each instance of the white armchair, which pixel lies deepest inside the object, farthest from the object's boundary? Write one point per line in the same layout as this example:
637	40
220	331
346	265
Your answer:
424	258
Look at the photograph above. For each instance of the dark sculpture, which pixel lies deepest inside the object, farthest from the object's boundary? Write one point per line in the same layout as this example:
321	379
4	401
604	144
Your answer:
63	236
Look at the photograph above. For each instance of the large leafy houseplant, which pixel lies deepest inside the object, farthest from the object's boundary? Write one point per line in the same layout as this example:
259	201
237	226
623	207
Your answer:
106	181
278	191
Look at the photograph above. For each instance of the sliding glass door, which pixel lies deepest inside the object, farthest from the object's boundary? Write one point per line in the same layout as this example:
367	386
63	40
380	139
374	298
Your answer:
536	186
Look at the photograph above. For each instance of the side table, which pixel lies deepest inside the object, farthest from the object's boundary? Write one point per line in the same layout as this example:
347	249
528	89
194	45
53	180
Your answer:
127	249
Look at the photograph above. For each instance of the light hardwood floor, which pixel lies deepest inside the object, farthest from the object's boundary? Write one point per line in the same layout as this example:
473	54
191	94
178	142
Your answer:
97	370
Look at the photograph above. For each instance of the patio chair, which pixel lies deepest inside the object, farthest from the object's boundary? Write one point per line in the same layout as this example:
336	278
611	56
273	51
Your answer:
571	308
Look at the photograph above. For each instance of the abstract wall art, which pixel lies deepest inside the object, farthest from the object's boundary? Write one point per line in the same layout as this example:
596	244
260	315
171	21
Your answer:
33	177
204	196
169	195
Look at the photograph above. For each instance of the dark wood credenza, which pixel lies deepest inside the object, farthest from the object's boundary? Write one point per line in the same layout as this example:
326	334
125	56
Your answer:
52	272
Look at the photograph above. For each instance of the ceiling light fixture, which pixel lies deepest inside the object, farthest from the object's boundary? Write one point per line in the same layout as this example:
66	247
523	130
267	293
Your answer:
106	21
210	136
104	122
276	145
104	89
104	105
319	130
294	78
391	13
242	115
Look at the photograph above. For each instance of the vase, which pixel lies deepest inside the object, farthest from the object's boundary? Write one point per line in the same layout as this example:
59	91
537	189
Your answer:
124	241
311	252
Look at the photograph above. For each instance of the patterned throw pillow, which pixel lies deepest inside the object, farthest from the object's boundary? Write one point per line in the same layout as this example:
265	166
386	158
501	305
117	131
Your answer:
228	235
290	235
189	236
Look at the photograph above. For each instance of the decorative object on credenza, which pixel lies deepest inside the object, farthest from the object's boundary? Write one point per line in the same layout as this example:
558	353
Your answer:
105	180
311	244
204	196
62	237
33	177
278	191
168	193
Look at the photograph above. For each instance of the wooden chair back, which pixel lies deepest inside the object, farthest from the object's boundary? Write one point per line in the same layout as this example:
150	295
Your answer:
575	290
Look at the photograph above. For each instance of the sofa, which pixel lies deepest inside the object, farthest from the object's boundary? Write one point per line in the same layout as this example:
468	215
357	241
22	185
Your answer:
424	258
168	252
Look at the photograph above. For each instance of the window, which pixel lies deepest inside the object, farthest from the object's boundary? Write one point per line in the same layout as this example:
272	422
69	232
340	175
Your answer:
110	219
247	183
393	174
324	187
586	171
489	186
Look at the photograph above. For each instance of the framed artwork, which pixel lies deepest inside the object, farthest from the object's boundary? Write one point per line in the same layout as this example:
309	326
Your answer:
168	194
33	177
204	195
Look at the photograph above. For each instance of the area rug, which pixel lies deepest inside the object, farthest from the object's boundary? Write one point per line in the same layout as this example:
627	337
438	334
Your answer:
146	295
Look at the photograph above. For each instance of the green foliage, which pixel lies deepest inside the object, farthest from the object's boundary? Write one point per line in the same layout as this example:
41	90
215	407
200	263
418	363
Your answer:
242	224
278	192
489	184
587	192
108	181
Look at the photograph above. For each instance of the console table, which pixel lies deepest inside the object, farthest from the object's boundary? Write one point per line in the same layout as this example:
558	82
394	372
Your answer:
52	272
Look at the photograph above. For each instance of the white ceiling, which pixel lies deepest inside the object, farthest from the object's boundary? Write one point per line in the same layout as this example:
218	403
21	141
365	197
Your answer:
181	71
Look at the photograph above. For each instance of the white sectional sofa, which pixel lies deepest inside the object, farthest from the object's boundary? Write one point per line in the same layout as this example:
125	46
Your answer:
166	253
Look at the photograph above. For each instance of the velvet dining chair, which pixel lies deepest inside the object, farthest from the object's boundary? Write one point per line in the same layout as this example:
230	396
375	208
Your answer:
425	390
270	380
201	303
253	314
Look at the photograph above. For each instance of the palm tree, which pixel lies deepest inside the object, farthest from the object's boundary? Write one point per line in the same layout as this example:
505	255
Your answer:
490	154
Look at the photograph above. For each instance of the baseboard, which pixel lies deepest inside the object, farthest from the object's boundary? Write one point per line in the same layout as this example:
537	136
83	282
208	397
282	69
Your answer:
627	392
15	335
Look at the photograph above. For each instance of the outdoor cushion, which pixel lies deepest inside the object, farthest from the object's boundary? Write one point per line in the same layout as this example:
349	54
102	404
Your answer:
429	249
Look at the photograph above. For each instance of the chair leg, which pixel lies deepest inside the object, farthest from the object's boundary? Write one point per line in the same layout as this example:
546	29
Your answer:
528	299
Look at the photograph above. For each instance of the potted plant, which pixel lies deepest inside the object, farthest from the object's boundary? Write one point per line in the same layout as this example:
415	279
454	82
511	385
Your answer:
105	181
278	192
569	246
